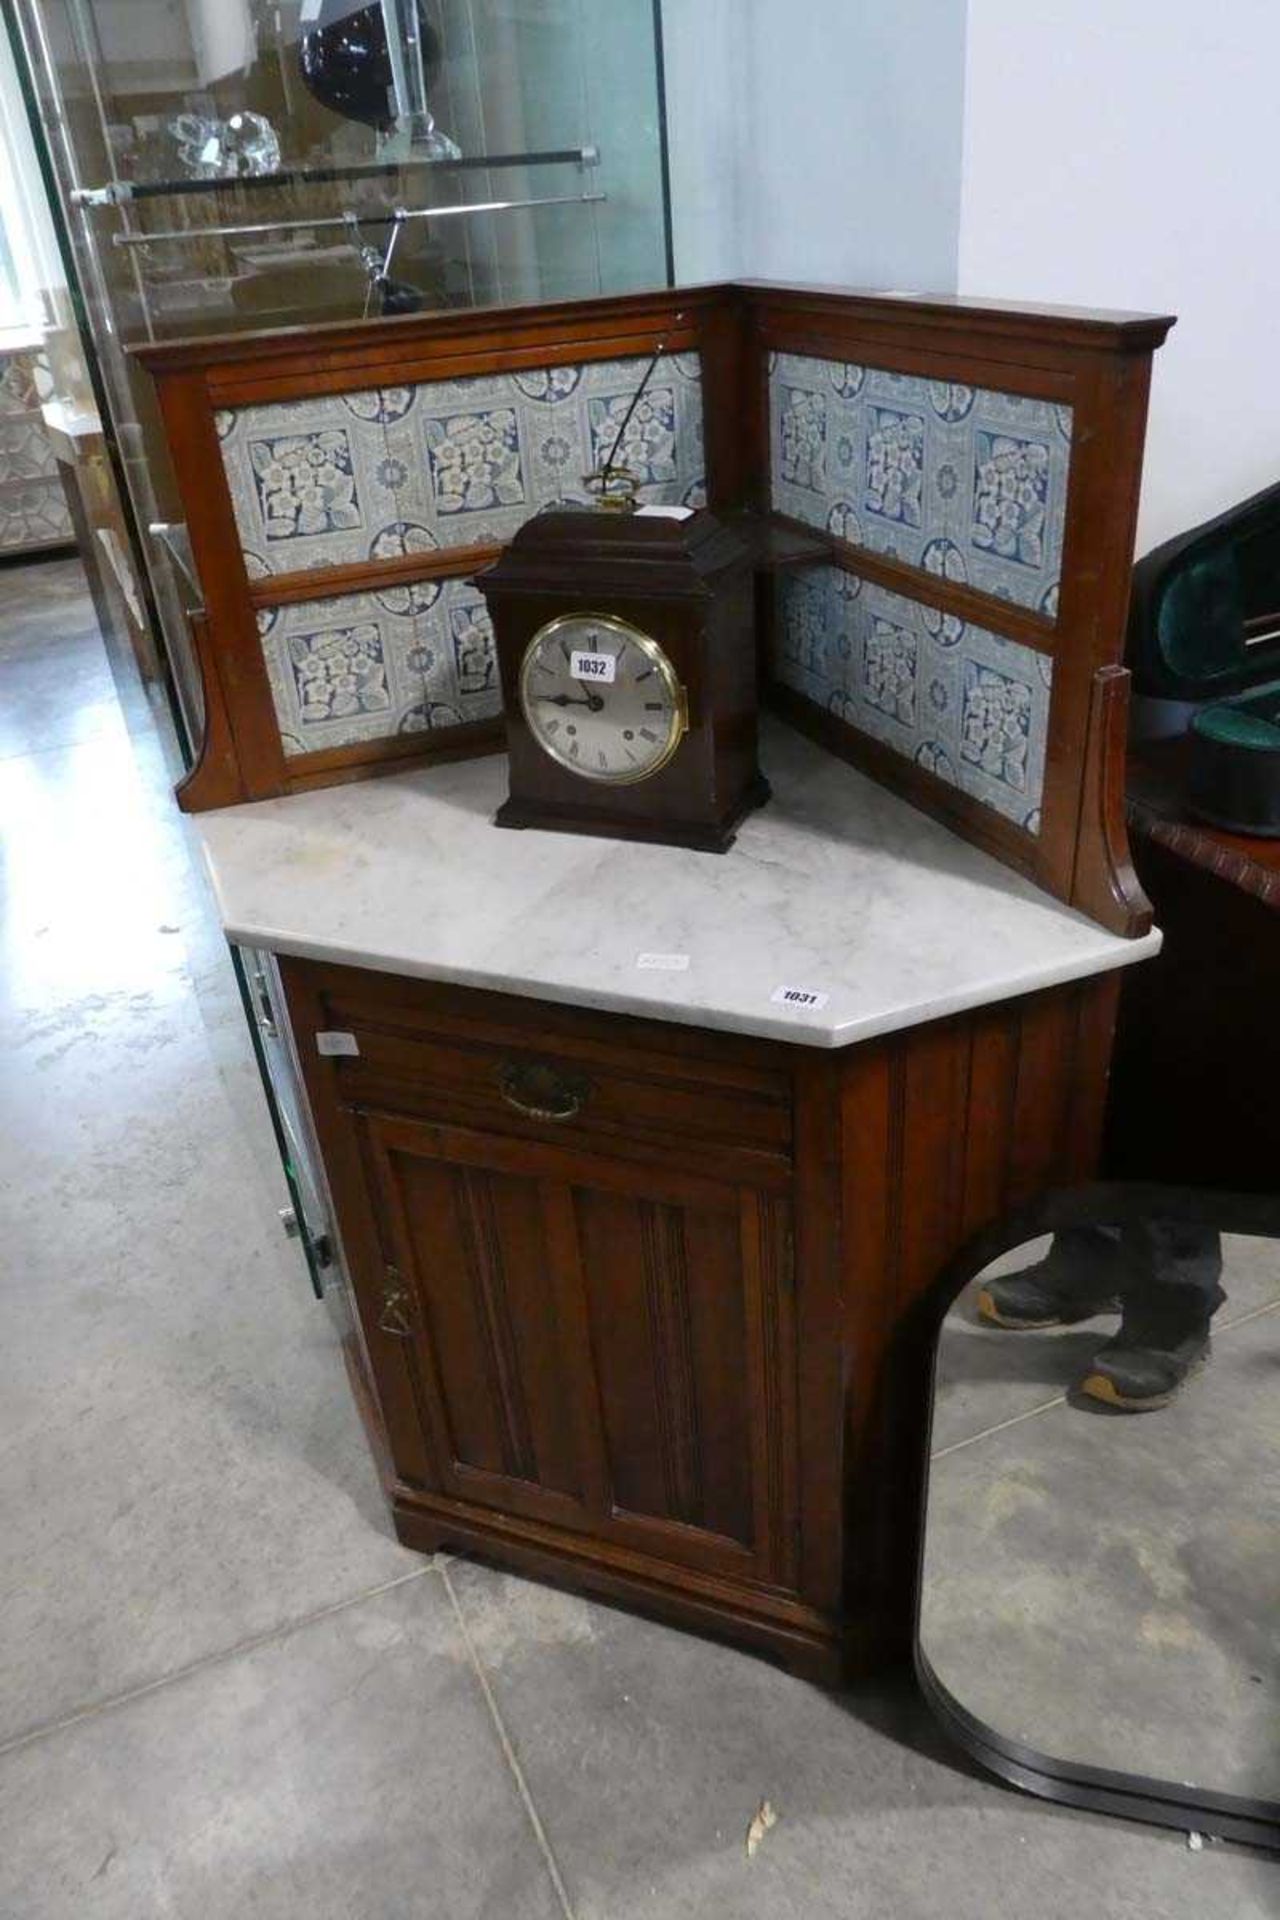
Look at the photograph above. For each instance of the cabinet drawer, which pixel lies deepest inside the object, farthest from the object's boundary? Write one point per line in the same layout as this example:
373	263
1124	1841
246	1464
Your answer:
555	1081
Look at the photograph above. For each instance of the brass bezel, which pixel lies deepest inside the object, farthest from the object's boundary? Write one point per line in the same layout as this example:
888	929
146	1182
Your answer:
609	623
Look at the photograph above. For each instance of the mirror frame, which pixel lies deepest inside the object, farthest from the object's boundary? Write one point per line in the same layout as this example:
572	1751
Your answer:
1130	1796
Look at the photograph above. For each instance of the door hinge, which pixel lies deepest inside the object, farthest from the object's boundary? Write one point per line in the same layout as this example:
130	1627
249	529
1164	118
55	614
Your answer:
396	1315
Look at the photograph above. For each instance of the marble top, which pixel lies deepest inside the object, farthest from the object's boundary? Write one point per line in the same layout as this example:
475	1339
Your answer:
836	888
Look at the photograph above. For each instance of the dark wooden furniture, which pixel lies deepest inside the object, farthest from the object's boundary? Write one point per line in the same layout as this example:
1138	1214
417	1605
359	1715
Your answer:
644	1307
641	1308
688	584
1195	1096
1098	365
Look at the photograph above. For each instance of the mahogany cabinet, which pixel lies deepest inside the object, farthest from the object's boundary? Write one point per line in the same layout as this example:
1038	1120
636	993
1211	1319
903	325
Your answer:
636	1302
644	1306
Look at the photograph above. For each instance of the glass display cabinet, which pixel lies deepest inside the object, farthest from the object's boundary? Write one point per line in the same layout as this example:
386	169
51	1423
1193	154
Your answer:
223	165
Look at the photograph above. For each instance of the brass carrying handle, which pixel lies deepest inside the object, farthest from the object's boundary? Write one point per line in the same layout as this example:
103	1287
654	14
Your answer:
541	1091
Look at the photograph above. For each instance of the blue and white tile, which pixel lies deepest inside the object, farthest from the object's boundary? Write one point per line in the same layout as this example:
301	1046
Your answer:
965	482
456	662
967	704
313	483
455	462
367	666
475	461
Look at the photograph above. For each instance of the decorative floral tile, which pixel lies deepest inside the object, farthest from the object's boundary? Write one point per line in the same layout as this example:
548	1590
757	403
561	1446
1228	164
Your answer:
349	477
647	447
995	724
803	438
956	698
475	663
305	484
889	657
366	666
965	482
338	672
475	461
895	465
1010	493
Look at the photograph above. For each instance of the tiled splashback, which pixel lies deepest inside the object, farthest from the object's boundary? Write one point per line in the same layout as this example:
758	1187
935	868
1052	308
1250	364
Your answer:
971	707
365	666
372	475
967	483
360	476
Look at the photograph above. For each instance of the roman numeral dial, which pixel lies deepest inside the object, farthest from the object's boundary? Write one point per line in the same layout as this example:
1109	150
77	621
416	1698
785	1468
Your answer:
602	698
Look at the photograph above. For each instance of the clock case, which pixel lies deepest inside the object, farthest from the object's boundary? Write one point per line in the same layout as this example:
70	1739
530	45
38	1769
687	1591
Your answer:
689	584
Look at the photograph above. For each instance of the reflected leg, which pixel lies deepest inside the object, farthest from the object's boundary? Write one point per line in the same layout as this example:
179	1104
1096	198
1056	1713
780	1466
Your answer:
1170	1291
1082	1274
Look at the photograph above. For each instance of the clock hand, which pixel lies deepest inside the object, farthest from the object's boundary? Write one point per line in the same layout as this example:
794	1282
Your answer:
592	701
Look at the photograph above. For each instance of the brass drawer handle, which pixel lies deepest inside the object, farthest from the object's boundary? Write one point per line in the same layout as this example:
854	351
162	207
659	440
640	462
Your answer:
541	1091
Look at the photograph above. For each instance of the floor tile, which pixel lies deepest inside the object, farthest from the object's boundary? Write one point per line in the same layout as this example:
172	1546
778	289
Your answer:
349	1771
647	1752
54	688
1106	1587
181	1465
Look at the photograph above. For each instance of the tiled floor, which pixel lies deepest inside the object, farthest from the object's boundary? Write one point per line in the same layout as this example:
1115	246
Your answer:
224	1688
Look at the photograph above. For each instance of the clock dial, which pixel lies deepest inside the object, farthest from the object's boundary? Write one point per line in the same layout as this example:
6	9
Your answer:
601	698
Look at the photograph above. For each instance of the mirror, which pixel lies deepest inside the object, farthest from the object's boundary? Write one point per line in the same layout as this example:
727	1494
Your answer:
1101	1585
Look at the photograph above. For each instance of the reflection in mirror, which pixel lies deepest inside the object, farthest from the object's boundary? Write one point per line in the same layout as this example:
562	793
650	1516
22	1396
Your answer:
1101	1577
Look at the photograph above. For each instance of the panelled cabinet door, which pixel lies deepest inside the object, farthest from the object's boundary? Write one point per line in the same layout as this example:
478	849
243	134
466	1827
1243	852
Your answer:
576	1339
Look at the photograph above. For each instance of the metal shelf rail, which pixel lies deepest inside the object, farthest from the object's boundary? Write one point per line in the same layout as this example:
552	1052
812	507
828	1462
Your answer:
116	193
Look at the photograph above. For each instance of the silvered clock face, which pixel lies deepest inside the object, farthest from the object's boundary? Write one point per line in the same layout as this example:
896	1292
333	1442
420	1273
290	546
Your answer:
601	698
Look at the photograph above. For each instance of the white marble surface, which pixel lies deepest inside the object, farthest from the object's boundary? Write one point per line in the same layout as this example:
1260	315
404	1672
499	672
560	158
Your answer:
836	887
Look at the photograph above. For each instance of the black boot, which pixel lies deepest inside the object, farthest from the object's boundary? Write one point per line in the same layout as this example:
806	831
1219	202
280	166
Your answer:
1171	1292
1146	1363
1079	1277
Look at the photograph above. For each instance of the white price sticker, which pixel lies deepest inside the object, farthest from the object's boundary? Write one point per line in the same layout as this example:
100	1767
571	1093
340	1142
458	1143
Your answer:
333	1045
593	666
663	962
804	998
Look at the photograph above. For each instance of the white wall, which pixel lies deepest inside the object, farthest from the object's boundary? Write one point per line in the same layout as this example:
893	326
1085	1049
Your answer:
816	140
704	45
1122	153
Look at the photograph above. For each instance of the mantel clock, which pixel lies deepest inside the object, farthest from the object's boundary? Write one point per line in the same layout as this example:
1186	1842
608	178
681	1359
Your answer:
626	649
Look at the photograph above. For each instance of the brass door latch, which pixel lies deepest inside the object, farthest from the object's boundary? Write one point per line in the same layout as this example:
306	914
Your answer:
396	1315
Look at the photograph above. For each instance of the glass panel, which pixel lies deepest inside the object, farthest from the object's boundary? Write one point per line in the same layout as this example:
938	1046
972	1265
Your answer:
229	164
305	126
1102	1583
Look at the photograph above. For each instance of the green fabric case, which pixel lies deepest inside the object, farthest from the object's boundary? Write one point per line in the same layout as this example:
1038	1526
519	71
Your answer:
1192	598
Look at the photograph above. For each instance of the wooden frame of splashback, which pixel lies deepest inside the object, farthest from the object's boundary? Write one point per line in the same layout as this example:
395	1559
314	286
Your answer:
1098	364
241	756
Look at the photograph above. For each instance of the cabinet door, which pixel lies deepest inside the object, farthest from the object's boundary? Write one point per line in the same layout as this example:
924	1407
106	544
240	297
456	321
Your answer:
607	1346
